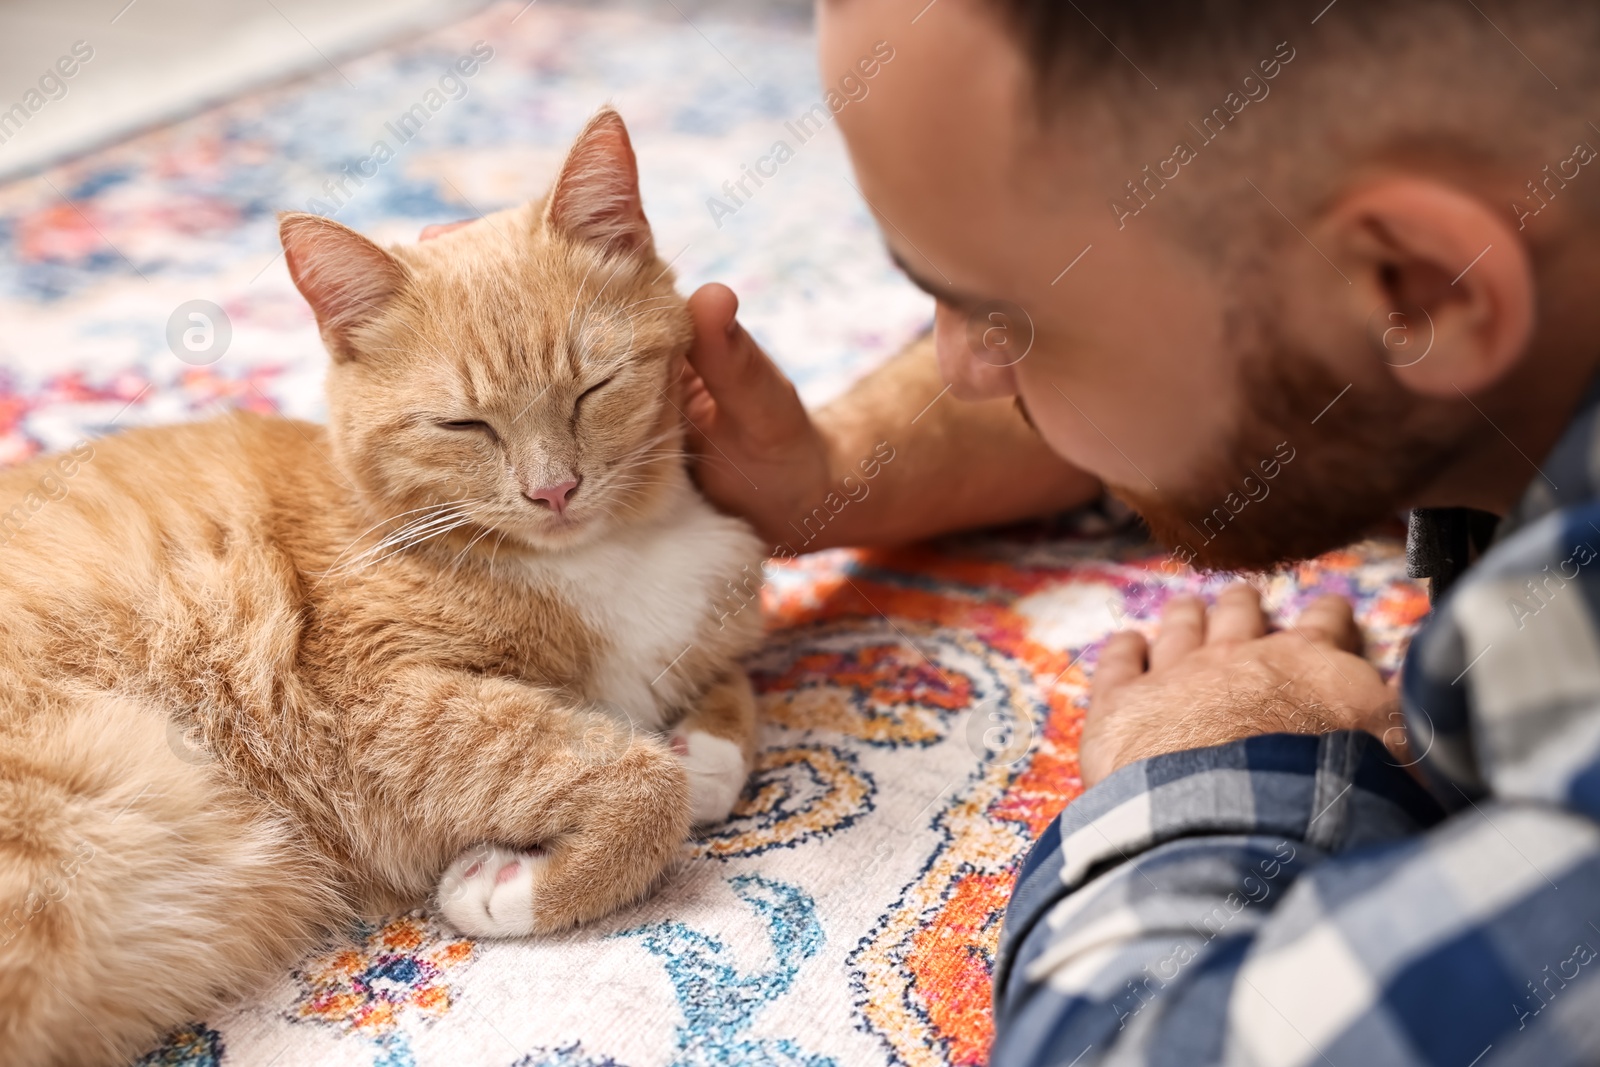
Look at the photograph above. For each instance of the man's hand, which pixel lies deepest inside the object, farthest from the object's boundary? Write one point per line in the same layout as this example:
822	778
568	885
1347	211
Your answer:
1216	676
758	454
892	461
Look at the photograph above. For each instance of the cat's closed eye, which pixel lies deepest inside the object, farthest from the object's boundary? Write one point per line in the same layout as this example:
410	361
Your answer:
595	388
467	424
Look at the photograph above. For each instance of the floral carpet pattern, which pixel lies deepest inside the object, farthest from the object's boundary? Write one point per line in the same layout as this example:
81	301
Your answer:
922	706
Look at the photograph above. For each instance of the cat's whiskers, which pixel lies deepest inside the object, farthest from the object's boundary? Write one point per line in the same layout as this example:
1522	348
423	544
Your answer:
440	513
664	300
658	439
409	536
621	505
648	448
384	522
648	455
455	564
496	550
621	479
621	496
628	480
419	526
633	468
431	535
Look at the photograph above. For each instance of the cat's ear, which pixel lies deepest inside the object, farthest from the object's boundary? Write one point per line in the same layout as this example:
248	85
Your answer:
596	196
345	278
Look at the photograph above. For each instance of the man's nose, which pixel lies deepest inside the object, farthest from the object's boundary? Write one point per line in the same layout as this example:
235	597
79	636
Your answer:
976	352
556	497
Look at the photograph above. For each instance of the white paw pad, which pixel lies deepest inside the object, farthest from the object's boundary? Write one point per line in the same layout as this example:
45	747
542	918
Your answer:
716	773
488	891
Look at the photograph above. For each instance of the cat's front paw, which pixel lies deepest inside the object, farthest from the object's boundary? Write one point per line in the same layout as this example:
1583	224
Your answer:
716	773
488	891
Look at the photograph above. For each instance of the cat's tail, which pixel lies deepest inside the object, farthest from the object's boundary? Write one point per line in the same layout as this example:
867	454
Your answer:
135	891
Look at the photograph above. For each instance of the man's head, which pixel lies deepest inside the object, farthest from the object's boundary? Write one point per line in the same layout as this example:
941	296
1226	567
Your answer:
1194	239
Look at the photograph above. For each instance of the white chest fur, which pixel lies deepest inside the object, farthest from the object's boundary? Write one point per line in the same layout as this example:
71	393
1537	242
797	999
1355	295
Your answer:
650	591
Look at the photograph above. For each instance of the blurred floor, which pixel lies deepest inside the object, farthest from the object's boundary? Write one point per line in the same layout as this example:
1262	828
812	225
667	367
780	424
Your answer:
152	60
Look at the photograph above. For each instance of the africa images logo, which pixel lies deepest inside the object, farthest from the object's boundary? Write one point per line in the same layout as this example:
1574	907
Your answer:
51	85
452	85
852	88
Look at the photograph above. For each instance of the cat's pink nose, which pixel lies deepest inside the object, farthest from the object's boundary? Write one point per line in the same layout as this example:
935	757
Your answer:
556	497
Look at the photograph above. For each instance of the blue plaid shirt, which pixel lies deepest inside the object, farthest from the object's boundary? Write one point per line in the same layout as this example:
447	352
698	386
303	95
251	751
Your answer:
1289	900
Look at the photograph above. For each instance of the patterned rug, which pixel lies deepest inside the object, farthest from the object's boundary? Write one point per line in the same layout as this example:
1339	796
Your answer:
922	706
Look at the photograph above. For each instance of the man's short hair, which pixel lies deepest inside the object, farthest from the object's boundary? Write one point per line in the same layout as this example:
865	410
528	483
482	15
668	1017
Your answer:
1500	86
1088	38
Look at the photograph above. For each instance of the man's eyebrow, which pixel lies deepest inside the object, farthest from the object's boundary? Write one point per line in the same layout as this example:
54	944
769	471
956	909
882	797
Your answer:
942	293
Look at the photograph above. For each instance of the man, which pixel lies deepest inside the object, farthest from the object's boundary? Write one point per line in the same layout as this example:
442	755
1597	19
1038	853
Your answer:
1188	241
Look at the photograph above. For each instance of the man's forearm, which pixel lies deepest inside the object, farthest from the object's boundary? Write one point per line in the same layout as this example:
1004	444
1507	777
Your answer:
910	462
1205	907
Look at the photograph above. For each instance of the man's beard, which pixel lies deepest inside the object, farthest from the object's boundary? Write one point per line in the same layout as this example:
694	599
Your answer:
1351	465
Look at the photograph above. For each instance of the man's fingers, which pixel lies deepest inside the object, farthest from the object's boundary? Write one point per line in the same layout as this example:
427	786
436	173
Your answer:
748	387
697	402
714	308
1237	615
1122	660
1183	629
1331	620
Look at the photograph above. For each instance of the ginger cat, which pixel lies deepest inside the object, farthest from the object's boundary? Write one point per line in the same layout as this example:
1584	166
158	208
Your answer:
478	636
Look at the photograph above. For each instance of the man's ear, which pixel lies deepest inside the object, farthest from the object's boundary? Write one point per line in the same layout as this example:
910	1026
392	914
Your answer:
345	278
595	198
1442	282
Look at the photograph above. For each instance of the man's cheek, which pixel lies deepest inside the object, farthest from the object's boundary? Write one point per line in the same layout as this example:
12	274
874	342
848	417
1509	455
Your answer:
1065	431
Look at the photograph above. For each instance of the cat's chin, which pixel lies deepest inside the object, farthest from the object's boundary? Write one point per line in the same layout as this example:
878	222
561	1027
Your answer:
554	535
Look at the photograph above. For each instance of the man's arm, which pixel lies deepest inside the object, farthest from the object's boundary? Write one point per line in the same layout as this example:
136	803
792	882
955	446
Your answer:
1276	901
1230	894
894	460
